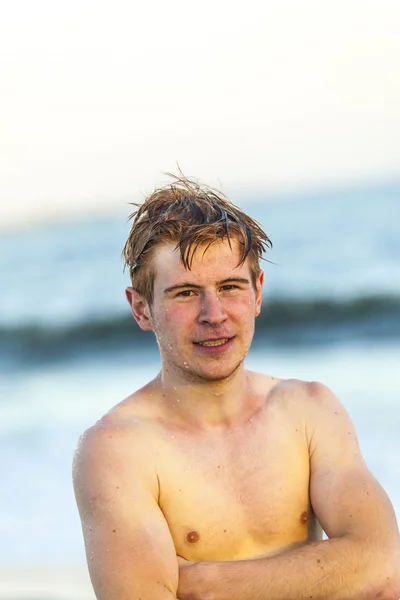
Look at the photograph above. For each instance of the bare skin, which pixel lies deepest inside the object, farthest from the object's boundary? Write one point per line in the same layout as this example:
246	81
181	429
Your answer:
227	469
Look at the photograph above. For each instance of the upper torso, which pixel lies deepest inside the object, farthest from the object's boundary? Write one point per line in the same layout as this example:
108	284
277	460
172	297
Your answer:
236	493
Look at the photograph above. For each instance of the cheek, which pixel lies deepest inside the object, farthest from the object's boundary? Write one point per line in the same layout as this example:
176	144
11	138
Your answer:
173	316
243	314
243	308
171	320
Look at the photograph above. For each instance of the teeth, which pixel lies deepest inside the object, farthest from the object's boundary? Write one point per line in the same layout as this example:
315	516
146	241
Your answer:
214	343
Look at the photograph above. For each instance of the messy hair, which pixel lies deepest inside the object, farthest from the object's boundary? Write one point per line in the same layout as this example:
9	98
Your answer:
190	215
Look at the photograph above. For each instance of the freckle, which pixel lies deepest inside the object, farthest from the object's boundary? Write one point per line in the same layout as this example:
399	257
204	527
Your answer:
318	561
304	517
117	487
113	530
224	530
193	537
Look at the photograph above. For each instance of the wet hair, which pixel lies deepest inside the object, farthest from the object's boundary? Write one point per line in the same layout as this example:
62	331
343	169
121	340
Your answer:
189	215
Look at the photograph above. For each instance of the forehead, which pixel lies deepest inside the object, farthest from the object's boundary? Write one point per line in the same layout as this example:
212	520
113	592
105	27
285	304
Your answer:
215	263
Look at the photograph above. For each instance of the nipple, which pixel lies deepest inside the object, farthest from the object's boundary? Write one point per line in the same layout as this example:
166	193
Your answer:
304	517
193	537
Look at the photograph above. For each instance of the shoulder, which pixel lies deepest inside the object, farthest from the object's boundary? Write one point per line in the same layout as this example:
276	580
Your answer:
320	402
124	429
313	404
312	394
290	386
328	426
295	392
109	454
119	434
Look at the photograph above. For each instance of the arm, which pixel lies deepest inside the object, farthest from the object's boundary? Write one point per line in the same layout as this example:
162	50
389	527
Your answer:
360	561
129	549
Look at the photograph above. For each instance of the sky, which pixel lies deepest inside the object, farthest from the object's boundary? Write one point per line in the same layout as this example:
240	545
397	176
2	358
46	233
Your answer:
98	98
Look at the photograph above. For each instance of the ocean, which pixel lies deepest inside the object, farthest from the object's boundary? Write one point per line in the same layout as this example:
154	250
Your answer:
69	348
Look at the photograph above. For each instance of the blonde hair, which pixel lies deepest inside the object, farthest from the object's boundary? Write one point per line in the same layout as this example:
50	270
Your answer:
188	214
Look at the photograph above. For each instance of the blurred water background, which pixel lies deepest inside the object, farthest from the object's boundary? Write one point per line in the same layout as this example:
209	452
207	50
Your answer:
69	348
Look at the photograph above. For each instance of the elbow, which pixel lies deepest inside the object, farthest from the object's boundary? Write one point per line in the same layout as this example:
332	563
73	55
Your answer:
393	578
388	582
392	592
379	572
393	584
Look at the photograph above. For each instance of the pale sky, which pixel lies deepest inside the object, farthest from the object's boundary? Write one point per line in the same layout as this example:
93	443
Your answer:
98	98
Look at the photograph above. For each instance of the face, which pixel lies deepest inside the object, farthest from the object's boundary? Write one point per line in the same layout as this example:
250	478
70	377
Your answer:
203	318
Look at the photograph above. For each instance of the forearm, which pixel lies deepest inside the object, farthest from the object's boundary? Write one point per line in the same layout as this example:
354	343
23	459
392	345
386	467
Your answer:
145	592
336	569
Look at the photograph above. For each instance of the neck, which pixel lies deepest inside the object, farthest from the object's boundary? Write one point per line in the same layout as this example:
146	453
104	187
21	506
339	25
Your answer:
208	404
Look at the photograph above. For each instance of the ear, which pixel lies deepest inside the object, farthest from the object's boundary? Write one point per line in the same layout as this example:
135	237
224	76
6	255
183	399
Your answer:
140	309
259	284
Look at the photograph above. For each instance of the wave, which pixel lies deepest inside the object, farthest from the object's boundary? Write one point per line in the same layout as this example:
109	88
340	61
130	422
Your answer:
284	321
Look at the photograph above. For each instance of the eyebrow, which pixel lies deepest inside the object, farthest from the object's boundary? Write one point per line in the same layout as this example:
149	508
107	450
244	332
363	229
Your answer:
199	287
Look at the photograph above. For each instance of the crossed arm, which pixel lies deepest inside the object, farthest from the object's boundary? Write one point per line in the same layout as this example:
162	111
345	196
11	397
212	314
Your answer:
361	558
131	555
344	567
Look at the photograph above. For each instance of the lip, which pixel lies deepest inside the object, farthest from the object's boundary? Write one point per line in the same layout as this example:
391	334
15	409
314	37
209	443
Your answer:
214	349
214	339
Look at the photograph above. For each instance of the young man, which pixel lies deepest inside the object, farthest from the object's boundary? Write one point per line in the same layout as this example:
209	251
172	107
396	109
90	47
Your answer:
213	482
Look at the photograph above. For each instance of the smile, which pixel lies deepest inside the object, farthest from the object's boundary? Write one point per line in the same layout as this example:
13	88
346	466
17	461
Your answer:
214	342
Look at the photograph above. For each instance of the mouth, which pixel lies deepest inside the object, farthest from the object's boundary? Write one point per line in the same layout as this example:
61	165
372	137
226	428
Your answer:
213	343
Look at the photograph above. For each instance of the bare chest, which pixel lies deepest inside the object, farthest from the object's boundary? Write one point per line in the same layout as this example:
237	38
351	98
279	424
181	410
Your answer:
244	497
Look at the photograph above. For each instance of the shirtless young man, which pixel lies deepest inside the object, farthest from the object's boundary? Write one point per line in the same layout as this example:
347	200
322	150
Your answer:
213	482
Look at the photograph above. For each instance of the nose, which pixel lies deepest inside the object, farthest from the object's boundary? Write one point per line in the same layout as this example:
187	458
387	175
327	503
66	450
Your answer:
212	310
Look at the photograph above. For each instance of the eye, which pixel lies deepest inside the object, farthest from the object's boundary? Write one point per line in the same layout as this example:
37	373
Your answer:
185	294
229	287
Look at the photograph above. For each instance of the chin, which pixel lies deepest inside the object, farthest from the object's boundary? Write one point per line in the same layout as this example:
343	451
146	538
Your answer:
212	375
